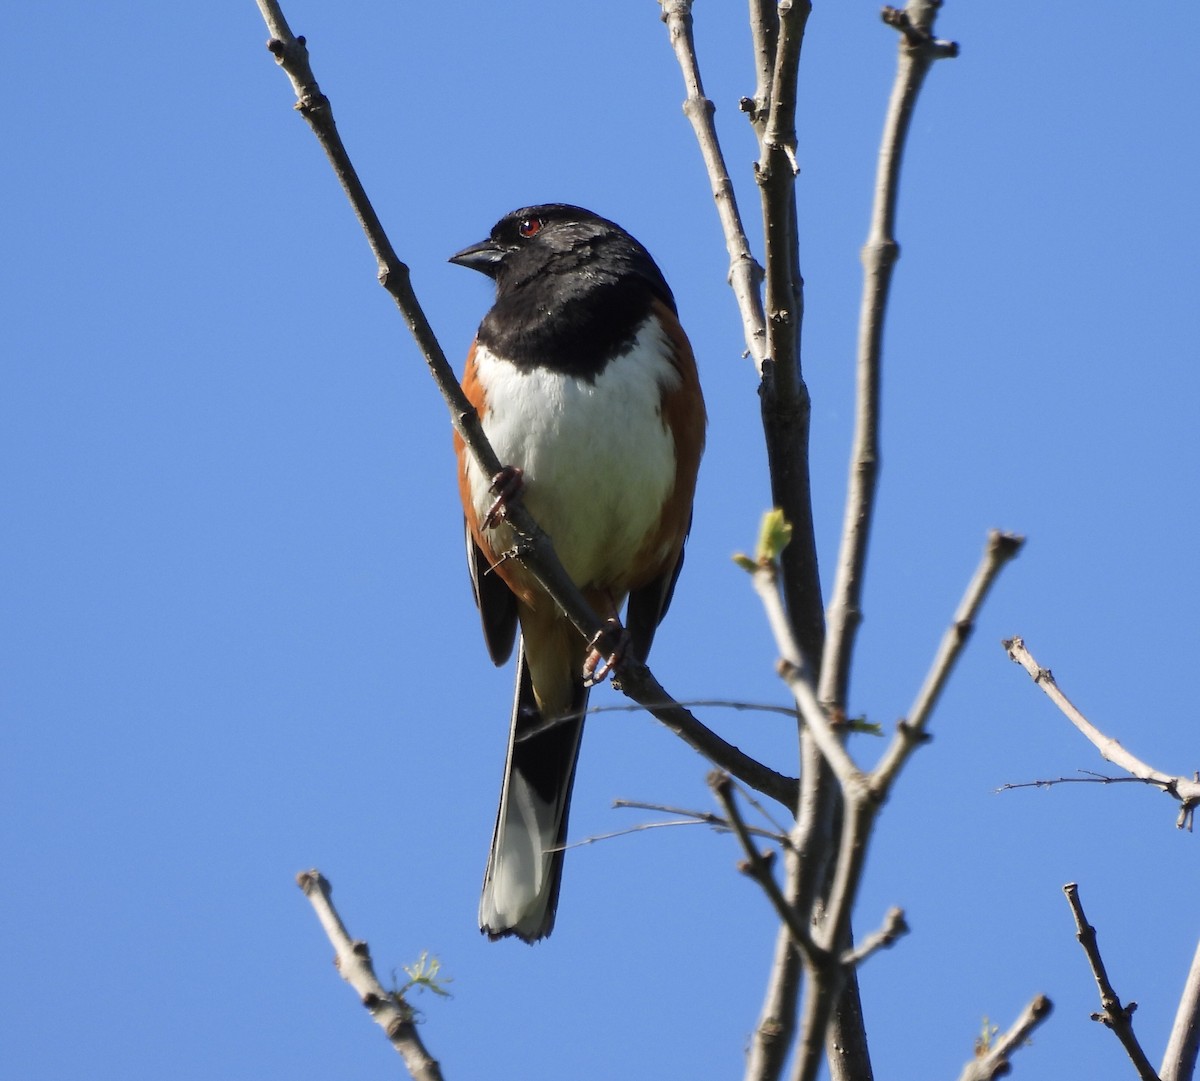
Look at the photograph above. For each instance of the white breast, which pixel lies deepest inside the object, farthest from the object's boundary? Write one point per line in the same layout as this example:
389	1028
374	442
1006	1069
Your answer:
598	458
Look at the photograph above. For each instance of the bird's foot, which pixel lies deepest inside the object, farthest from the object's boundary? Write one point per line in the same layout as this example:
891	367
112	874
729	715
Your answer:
507	485
606	650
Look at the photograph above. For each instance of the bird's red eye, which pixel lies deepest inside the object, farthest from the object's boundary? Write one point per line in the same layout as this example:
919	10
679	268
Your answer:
528	227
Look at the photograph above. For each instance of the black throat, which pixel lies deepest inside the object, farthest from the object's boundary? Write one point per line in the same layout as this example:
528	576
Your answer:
574	310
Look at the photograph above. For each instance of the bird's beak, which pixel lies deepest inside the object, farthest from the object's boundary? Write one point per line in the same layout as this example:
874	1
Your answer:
485	257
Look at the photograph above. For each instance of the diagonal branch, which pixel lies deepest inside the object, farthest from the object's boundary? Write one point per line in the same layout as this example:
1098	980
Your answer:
1001	547
1114	1015
352	959
757	865
894	925
993	1062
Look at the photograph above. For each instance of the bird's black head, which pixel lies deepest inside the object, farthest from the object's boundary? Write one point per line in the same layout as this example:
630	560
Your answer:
560	239
572	288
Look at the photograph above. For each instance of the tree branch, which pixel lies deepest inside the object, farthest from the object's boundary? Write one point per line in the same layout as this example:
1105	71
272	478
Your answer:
776	1028
1000	548
1183	1045
879	255
745	274
864	794
894	925
1186	791
784	401
637	681
1115	1016
772	337
352	958
757	865
993	1062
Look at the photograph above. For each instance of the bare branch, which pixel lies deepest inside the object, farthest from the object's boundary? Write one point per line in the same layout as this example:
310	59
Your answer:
1115	1016
879	256
993	1062
702	703
715	821
864	793
1092	778
1001	547
786	406
894	926
1183	1045
777	834
352	958
796	673
689	818
637	681
745	275
533	548
772	337
757	865
776	1028
764	28
1183	789
844	613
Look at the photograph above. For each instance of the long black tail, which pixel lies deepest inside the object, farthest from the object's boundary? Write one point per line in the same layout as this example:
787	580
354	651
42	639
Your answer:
524	871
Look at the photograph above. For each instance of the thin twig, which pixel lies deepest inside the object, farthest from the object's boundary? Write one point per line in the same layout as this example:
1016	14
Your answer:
1093	778
699	819
702	703
797	674
745	274
910	733
352	958
1183	1045
894	926
994	1061
778	834
879	256
1000	548
756	865
1113	1014
1183	789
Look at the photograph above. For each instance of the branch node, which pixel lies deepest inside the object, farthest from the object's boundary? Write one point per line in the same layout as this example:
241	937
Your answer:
911	734
918	38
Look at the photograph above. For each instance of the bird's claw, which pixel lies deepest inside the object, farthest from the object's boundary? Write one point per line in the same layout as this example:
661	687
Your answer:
507	485
606	650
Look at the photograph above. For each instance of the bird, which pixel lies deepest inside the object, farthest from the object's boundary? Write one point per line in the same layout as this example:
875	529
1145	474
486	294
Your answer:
586	386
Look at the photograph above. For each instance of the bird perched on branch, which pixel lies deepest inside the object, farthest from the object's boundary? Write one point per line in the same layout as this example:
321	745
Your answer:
586	387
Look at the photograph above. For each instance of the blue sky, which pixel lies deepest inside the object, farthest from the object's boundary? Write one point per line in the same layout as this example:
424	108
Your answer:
239	639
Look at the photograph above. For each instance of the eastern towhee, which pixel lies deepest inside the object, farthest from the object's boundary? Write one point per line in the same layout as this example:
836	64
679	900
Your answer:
586	387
